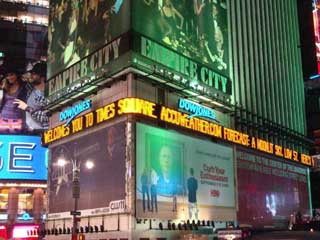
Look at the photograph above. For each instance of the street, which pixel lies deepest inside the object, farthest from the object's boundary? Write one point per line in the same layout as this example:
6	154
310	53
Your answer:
287	235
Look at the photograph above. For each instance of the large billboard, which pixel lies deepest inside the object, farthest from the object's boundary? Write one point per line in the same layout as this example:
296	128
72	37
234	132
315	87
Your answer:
196	29
22	99
179	177
78	28
102	188
270	190
22	158
316	23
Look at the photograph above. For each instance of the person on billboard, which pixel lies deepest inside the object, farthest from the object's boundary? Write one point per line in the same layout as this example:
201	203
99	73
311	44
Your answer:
215	49
107	17
11	117
113	143
71	51
153	190
148	2
199	19
36	118
168	183
169	24
145	189
192	185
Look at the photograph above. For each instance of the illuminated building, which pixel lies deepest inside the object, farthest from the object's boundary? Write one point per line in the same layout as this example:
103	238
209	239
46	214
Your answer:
23	31
158	165
310	52
23	175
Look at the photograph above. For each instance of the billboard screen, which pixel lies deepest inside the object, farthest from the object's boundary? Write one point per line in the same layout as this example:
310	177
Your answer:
22	158
270	190
77	28
197	29
316	23
179	177
22	99
100	186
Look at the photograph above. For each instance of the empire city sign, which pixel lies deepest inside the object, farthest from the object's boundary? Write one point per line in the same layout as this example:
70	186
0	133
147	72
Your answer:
198	76
78	75
196	109
176	118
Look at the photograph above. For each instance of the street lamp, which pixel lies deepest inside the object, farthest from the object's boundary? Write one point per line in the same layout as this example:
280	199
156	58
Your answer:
75	195
61	162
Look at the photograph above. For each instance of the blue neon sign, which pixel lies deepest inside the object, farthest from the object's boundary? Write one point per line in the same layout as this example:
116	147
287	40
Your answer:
72	112
196	110
22	157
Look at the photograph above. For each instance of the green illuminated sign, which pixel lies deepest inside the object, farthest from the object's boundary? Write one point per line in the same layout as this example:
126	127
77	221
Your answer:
184	177
197	29
195	73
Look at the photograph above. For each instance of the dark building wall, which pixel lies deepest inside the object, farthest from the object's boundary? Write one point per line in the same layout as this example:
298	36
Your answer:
308	48
22	41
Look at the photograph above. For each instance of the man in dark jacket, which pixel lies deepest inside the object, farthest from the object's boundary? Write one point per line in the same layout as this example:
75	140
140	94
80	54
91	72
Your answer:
192	185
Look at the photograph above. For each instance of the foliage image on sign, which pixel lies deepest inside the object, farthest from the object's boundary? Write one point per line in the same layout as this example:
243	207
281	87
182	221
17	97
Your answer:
179	177
102	187
78	28
22	158
197	29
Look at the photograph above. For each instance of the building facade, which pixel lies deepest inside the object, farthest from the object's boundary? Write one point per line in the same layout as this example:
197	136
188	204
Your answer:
24	30
23	161
23	175
192	117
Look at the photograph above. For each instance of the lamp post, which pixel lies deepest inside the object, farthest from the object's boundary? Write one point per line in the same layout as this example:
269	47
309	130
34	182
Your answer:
75	185
76	196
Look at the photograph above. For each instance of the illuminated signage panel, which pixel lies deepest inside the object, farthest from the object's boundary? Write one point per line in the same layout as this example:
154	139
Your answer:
22	157
184	177
103	186
267	179
178	69
198	30
158	112
72	112
196	110
87	70
78	28
316	23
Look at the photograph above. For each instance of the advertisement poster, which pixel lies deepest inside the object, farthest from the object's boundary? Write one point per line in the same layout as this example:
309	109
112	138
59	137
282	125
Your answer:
270	190
180	177
197	29
78	28
22	158
316	23
22	99
102	185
